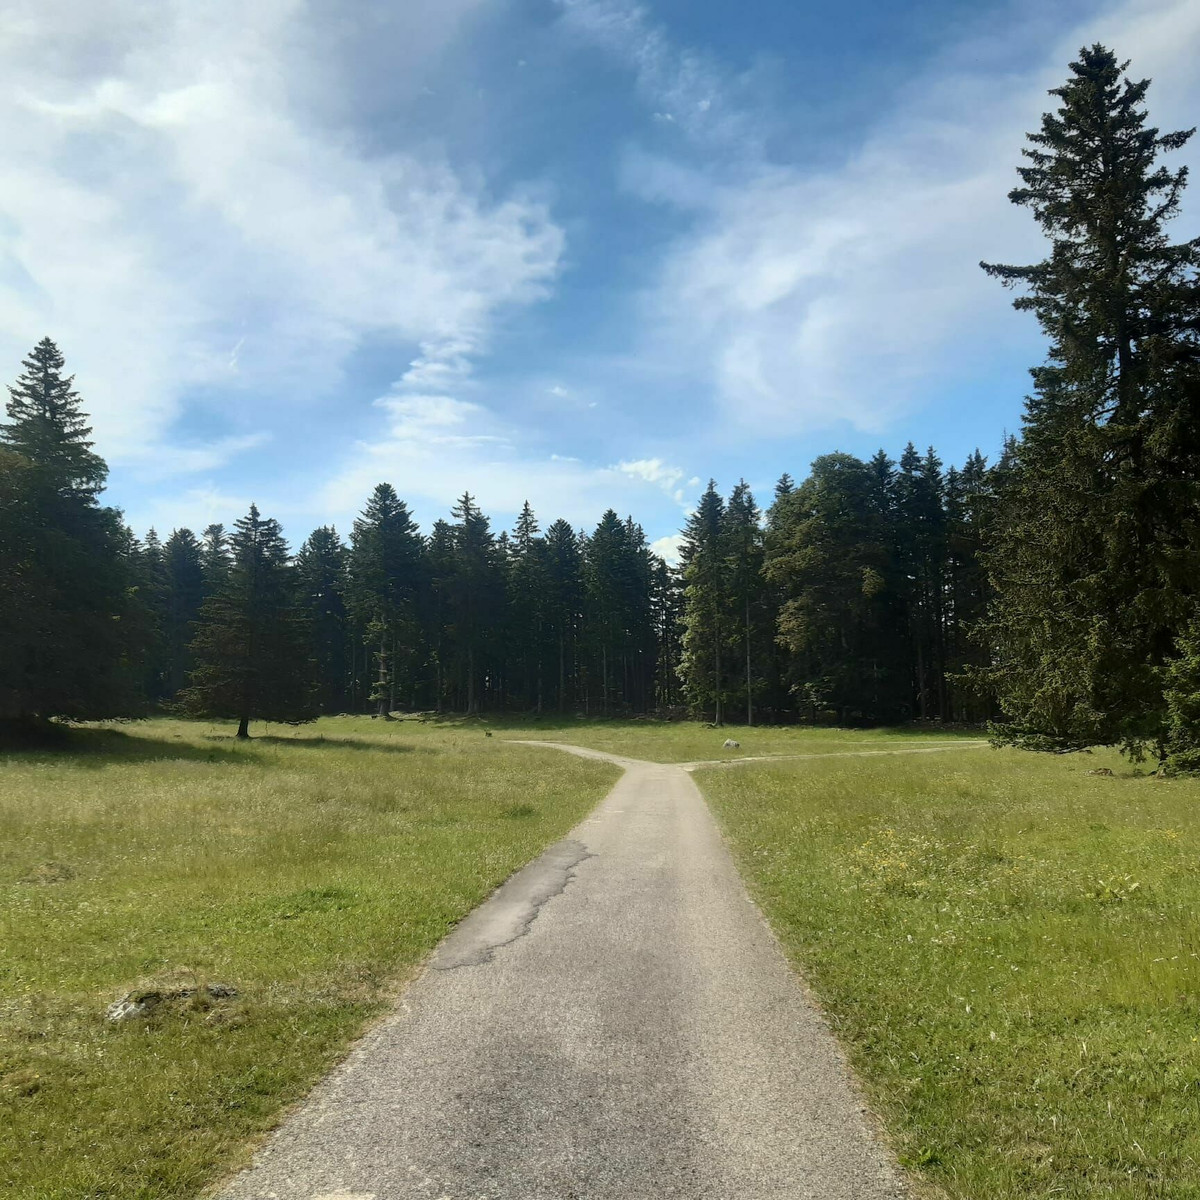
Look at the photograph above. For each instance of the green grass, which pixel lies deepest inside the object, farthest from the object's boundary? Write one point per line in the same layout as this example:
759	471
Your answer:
692	741
1007	947
311	870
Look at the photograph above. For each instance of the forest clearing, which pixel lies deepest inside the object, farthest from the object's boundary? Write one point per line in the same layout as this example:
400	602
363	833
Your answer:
1004	943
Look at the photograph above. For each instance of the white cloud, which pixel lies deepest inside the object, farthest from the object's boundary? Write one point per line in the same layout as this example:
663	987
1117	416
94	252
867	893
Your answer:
153	464
668	547
167	191
664	476
804	297
437	447
685	88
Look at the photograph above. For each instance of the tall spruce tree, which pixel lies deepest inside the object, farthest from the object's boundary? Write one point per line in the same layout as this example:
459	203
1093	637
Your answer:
476	596
183	557
77	629
705	565
1096	551
529	597
46	425
252	648
565	582
385	572
322	579
829	553
744	553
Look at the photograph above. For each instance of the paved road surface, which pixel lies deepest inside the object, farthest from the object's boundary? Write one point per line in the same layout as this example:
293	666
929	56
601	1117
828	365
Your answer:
616	1022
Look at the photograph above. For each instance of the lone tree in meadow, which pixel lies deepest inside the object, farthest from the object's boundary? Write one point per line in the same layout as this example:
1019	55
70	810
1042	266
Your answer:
251	649
1096	550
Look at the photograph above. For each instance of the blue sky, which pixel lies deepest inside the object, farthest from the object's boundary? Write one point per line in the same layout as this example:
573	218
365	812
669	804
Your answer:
584	252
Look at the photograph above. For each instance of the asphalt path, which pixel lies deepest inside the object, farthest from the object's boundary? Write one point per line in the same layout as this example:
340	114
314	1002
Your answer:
616	1021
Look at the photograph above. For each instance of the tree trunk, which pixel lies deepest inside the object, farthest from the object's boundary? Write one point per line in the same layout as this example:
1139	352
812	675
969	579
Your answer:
381	707
749	687
562	675
604	678
244	728
717	678
472	700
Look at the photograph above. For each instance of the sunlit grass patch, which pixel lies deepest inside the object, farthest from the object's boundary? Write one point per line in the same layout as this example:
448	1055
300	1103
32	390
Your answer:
694	741
1007	946
310	870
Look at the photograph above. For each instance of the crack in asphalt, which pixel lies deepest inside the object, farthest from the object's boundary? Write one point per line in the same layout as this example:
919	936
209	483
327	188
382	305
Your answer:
512	908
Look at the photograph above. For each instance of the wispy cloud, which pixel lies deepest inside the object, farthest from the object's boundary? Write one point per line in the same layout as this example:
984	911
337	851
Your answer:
167	186
804	297
437	447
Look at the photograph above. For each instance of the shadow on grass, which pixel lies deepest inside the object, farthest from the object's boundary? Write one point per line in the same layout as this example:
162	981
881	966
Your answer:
338	743
96	748
548	721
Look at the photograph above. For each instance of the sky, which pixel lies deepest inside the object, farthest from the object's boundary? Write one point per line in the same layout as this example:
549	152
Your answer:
585	253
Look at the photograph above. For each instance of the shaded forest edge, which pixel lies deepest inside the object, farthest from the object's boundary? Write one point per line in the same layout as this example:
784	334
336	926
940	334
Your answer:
1053	593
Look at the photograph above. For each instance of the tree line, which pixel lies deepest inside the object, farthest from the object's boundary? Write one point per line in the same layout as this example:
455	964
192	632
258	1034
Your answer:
1054	592
850	600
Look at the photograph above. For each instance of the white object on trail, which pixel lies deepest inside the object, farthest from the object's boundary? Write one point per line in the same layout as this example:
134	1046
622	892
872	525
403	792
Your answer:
730	744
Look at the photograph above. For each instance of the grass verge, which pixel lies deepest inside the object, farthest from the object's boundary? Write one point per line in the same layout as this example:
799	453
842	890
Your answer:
1008	948
692	741
310	870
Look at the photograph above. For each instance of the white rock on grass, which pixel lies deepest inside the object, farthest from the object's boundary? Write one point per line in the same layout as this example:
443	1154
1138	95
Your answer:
133	1005
730	744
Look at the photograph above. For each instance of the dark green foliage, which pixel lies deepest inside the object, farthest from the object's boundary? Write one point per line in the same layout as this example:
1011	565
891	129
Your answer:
46	426
530	604
183	556
475	594
252	644
564	607
831	557
321	579
1182	695
73	626
707	603
1095	541
385	579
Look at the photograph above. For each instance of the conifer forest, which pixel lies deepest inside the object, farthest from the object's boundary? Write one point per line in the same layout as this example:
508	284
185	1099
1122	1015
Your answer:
1051	589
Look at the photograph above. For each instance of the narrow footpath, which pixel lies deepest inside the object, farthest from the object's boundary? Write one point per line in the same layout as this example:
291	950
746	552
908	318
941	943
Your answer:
617	1021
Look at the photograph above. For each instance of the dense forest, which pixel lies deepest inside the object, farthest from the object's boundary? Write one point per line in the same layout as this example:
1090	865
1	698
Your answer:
1055	591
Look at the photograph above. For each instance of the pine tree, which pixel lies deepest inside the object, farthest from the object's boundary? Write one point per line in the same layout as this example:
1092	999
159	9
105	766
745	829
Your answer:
46	426
214	558
604	609
667	601
77	630
743	539
322	580
183	556
529	599
385	572
707	620
565	583
828	553
154	588
251	647
476	595
1095	546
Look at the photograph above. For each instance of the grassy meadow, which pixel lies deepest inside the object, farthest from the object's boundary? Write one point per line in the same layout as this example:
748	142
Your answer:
692	741
1007	947
310	869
